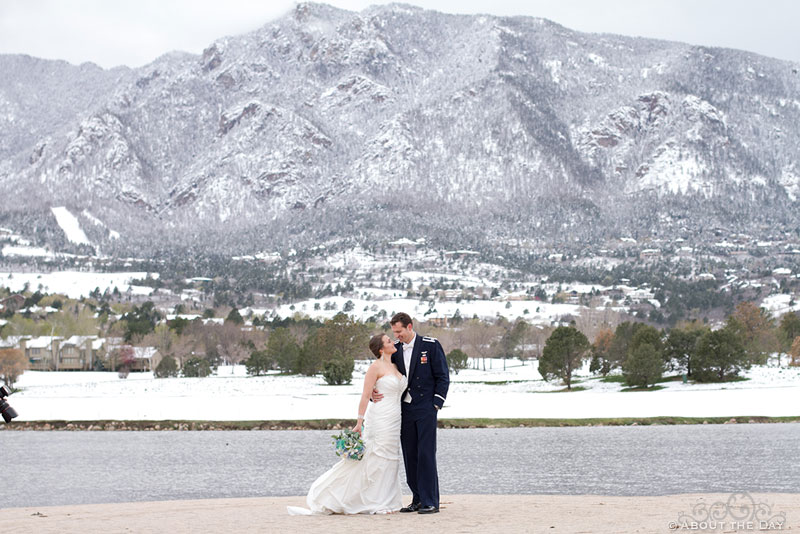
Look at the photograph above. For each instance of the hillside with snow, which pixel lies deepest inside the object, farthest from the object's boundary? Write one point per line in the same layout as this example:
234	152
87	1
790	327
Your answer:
472	130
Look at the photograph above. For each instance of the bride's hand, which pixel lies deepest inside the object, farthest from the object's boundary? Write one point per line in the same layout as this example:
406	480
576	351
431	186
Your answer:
357	428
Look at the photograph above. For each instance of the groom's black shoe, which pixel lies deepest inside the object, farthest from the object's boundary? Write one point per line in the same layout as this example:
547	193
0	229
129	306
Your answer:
413	507
428	510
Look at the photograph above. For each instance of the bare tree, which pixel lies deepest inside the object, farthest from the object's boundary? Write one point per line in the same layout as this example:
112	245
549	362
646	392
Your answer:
12	364
480	337
162	338
446	336
300	332
597	318
184	348
230	343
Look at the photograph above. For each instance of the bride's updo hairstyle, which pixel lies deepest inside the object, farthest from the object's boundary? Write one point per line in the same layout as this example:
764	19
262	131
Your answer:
376	344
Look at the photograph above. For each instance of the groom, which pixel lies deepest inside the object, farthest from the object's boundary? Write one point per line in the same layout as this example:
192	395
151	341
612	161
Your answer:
422	360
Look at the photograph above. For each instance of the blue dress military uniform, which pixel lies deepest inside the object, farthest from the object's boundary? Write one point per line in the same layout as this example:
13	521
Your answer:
428	381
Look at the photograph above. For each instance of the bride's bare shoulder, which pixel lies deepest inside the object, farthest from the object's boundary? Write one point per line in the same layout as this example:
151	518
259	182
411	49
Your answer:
380	367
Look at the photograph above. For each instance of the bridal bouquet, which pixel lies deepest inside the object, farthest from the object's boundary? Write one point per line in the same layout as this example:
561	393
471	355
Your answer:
348	444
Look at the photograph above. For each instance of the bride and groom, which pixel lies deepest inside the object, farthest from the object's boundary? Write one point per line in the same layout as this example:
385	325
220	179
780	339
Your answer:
408	384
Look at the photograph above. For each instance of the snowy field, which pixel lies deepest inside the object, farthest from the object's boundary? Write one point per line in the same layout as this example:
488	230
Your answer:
517	392
535	312
76	284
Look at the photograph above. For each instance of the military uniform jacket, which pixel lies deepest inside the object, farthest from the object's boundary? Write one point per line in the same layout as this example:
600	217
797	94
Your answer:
428	376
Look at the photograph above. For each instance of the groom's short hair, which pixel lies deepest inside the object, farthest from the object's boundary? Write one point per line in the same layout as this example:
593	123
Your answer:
401	317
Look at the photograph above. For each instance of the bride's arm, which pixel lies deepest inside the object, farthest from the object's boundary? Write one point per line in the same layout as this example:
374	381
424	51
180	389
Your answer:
369	383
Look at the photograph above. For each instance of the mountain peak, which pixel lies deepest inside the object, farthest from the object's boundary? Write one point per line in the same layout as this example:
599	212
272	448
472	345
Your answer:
466	127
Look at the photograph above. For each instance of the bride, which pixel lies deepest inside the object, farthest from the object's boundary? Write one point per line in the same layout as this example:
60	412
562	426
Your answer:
371	485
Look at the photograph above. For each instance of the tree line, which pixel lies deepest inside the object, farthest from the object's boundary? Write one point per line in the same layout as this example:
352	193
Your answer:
638	351
643	354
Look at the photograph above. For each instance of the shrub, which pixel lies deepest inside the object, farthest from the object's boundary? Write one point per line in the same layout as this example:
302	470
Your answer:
196	367
125	360
338	371
457	360
166	368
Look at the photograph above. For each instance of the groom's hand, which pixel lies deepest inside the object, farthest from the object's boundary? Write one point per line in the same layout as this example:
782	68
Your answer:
376	396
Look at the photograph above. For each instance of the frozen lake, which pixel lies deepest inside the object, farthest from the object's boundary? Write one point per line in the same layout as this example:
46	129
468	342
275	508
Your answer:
56	468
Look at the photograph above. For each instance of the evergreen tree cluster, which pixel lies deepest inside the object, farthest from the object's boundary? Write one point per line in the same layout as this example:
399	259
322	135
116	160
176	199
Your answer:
643	353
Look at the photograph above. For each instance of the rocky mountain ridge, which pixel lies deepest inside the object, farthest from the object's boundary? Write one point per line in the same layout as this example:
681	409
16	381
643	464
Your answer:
395	121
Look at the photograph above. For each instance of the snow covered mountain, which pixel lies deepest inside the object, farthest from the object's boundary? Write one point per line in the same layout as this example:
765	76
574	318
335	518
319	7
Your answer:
400	121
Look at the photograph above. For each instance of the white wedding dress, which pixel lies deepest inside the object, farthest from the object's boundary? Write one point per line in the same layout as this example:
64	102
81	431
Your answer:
370	485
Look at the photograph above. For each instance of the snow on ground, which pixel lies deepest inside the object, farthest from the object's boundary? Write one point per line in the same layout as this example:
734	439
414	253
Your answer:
11	250
536	312
97	222
517	392
75	284
779	304
69	223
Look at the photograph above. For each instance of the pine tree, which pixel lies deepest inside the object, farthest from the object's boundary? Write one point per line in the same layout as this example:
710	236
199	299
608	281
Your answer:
680	346
283	350
234	317
789	329
720	355
563	354
258	363
643	367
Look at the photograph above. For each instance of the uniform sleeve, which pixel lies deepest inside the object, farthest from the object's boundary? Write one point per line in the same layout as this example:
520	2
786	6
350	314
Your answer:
441	376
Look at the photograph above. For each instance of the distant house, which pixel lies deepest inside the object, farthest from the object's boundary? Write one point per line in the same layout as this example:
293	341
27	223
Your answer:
439	321
12	342
193	295
650	254
405	245
268	257
449	294
781	272
41	352
78	353
145	358
138	358
456	254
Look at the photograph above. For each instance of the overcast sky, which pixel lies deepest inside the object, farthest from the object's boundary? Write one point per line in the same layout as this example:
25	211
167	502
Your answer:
135	32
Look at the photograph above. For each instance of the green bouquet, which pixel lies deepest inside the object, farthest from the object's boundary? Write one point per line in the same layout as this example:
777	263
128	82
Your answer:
348	444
